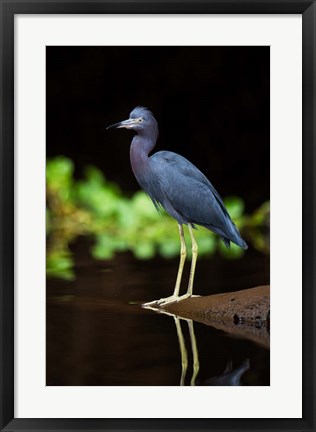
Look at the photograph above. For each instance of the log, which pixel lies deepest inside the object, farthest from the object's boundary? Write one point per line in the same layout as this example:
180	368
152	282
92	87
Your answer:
245	306
244	313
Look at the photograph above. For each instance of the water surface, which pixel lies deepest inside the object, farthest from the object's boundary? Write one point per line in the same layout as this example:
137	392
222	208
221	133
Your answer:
98	333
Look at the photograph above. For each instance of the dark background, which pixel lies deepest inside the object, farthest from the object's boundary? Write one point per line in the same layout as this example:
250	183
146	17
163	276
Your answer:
211	103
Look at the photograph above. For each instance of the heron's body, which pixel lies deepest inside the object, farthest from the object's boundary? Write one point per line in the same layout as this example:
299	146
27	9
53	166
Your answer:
185	193
177	185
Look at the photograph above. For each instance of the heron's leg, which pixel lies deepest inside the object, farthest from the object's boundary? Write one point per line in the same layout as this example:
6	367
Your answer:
193	263
175	296
189	292
183	351
196	363
183	253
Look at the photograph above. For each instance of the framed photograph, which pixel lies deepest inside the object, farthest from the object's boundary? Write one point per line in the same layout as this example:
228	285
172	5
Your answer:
202	111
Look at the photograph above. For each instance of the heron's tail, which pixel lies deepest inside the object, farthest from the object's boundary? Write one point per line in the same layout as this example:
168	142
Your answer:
240	242
234	236
229	233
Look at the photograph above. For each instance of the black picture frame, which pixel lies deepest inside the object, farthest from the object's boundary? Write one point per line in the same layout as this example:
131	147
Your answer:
7	10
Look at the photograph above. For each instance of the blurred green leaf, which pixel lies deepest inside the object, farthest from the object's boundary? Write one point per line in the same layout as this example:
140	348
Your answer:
60	264
143	207
232	252
96	207
207	243
144	250
59	172
169	248
235	207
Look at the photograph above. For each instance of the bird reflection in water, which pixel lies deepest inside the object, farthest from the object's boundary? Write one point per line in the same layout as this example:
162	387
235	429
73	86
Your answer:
183	351
230	376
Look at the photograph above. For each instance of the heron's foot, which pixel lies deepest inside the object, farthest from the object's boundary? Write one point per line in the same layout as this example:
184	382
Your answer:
174	299
168	300
156	303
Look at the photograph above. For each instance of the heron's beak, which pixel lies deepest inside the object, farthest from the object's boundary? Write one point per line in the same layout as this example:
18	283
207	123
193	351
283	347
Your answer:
127	124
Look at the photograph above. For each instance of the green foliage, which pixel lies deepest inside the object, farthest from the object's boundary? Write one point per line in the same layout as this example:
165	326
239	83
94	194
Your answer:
95	207
59	177
60	264
233	252
235	207
96	195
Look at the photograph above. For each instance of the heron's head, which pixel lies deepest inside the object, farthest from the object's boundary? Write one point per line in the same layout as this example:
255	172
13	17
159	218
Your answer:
140	120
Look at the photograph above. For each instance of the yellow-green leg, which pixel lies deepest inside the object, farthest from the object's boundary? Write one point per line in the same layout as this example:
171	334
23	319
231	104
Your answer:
183	351
195	354
175	296
193	262
184	354
183	254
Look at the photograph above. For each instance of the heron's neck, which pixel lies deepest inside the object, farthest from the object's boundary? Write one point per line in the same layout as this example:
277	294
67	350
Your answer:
140	147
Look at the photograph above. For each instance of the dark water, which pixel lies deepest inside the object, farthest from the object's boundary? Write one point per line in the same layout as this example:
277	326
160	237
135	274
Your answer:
98	334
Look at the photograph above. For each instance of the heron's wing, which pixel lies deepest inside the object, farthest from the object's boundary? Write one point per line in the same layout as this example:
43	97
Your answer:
186	168
188	191
183	190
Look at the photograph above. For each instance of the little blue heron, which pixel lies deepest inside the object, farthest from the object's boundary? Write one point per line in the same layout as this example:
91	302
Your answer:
174	183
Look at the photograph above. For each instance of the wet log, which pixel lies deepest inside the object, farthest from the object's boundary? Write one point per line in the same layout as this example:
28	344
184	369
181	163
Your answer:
241	314
249	306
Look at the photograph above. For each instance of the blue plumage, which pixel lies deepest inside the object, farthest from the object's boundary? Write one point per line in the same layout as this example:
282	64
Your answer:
189	196
176	184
